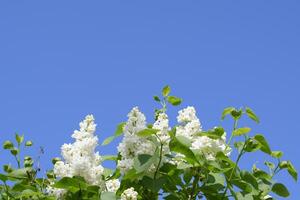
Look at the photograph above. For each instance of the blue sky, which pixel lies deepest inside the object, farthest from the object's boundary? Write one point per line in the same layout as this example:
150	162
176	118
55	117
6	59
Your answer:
61	60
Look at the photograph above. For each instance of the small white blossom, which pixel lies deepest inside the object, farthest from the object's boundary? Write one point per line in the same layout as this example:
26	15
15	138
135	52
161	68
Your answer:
56	192
112	185
129	194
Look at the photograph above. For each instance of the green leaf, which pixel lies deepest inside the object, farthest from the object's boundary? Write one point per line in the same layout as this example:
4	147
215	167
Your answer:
166	91
249	178
246	187
283	164
54	160
236	114
264	145
147	132
143	161
19	138
241	131
71	184
292	171
28	143
107	172
262	174
119	129
241	196
8	145
252	115
224	161
270	165
108	140
175	101
280	189
277	154
252	145
27	193
239	145
3	177
21	187
50	174
7	168
226	112
108	196
187	176
184	140
20	173
117	133
93	189
131	175
153	185
156	98
14	151
179	147
215	133
109	157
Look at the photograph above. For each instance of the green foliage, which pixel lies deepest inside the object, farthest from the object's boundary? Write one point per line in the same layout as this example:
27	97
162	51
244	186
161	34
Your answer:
147	132
175	101
241	131
118	133
166	91
177	174
252	115
8	145
280	190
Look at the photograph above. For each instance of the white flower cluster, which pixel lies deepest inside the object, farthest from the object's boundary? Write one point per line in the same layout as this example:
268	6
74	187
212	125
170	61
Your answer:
129	194
133	145
58	193
80	158
210	147
112	185
190	125
162	124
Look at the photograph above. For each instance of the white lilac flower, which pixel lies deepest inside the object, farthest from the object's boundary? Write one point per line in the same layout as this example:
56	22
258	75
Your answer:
112	185
129	194
189	126
80	158
189	123
210	147
56	192
162	124
186	115
133	145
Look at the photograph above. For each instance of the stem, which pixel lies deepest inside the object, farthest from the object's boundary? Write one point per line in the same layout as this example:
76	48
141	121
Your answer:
276	170
195	184
18	157
231	136
231	174
164	105
159	162
17	161
6	189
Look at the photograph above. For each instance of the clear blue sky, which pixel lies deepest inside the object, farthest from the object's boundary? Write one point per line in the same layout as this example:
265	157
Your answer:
61	60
